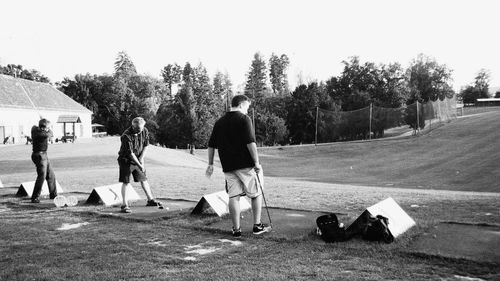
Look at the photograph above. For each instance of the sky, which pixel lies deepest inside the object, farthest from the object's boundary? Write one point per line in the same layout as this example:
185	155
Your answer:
68	37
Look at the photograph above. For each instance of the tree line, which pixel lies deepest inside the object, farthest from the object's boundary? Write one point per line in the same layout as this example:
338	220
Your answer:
182	106
18	71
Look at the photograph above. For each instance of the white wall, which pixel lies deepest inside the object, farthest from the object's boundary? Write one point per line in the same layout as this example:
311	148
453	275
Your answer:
18	122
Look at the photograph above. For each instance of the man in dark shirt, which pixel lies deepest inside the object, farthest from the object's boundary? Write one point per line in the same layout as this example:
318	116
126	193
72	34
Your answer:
234	138
40	138
134	142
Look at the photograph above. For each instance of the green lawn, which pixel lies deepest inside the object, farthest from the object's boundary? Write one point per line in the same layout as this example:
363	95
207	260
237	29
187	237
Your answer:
460	155
414	171
115	249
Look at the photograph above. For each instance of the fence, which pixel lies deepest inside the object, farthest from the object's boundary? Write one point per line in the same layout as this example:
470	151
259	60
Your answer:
378	122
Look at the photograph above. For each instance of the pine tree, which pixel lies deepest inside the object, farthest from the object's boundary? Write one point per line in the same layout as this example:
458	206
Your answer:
256	85
223	88
124	67
171	75
277	73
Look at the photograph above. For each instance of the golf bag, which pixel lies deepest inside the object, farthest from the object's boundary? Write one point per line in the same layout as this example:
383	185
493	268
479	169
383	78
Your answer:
329	228
376	229
368	227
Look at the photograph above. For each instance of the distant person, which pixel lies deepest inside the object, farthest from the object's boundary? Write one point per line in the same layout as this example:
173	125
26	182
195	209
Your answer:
40	138
134	142
234	138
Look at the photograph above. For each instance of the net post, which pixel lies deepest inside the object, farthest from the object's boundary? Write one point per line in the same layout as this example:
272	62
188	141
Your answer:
316	128
370	127
418	120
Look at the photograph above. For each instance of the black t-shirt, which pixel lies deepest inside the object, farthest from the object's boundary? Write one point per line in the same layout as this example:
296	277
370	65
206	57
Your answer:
40	139
230	136
133	143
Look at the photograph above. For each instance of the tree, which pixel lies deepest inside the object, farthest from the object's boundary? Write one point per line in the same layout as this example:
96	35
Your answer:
301	110
83	89
354	87
19	72
482	83
176	116
124	67
209	106
223	88
256	85
476	90
468	94
190	116
428	80
172	130
277	73
392	89
497	94
98	94
171	75
270	128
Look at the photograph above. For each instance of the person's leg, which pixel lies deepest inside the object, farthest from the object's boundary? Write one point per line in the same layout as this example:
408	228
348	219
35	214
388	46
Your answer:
234	189
253	189
124	194
257	209
41	170
235	211
51	180
147	190
124	178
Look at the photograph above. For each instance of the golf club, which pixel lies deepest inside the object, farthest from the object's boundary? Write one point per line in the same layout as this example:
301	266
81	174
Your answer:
265	202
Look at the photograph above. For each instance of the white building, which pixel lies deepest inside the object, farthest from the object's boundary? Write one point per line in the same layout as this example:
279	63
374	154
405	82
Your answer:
24	102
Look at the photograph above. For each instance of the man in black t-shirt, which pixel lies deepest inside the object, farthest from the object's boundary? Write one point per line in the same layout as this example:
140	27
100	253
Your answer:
234	138
40	138
134	142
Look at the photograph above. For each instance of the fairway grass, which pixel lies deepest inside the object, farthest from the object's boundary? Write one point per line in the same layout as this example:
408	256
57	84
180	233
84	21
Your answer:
460	155
104	248
422	180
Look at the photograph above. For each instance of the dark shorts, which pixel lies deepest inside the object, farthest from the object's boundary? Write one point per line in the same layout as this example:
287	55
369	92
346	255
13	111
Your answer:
126	169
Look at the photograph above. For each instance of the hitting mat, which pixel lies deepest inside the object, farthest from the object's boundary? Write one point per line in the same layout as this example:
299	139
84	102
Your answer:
287	223
473	242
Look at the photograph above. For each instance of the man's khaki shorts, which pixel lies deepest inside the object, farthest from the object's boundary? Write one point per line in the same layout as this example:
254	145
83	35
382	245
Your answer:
243	182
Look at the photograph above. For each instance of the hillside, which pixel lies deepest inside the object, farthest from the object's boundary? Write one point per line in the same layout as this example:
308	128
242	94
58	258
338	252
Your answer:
461	155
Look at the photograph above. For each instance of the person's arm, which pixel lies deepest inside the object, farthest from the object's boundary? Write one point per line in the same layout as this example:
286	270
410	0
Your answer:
211	154
212	145
252	148
249	138
38	132
128	146
137	162
210	168
145	146
143	154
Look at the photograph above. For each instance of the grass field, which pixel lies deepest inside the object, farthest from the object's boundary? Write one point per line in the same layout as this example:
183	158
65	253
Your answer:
419	172
461	155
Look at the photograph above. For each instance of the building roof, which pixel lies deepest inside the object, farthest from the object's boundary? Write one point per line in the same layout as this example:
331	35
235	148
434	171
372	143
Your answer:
489	99
69	119
26	94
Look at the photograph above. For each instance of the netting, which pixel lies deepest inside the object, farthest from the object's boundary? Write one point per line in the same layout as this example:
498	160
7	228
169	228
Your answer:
377	122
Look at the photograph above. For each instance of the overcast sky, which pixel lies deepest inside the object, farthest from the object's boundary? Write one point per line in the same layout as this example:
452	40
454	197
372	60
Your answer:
64	38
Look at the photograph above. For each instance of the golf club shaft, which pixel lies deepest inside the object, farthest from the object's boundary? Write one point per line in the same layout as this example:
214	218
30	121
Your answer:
264	197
